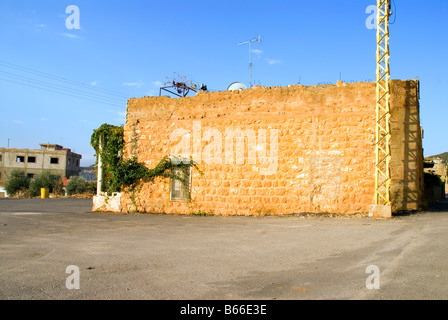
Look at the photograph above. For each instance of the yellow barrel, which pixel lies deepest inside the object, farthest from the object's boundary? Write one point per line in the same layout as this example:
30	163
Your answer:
44	193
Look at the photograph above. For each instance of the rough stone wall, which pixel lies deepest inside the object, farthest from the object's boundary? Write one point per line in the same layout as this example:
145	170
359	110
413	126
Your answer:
307	149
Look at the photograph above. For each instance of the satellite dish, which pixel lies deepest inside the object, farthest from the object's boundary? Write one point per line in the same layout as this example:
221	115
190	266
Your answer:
236	86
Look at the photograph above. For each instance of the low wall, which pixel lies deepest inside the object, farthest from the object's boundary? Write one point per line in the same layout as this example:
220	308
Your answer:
104	203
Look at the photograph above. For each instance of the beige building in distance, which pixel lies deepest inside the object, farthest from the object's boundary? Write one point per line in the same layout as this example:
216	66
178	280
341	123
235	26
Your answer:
438	168
52	157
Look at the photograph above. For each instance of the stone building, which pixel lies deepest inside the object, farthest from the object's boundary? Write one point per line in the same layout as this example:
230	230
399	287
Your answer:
52	157
275	150
437	167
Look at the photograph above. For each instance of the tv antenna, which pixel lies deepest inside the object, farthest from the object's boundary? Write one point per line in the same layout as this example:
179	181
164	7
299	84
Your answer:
250	56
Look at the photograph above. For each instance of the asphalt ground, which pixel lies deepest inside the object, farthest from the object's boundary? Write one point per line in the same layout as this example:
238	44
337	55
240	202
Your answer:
171	257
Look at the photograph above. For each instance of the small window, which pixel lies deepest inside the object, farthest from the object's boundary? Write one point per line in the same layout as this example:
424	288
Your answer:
20	159
77	163
32	159
69	162
54	160
0	158
30	175
181	189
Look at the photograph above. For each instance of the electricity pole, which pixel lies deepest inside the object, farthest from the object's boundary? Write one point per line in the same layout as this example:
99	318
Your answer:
383	130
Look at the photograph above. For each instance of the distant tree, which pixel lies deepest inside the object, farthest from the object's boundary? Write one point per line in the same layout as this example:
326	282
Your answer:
76	185
44	180
91	187
18	181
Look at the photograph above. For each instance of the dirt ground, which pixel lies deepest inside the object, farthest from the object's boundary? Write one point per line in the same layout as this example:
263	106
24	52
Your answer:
170	257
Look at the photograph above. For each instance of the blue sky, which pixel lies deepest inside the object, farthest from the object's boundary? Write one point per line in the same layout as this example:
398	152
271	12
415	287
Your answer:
128	49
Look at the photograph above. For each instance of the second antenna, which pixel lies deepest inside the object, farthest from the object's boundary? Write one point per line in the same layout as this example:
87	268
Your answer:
250	56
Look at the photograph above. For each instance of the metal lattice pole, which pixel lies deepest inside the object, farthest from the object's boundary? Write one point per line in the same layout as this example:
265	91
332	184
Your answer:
383	134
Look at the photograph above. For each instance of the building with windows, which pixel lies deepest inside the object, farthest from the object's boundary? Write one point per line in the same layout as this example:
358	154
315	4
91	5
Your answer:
52	157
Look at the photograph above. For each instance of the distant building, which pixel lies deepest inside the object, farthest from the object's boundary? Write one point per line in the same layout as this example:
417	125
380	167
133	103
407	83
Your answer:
52	157
437	167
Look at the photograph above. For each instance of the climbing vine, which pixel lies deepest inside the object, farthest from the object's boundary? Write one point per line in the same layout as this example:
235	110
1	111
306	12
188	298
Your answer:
119	173
111	152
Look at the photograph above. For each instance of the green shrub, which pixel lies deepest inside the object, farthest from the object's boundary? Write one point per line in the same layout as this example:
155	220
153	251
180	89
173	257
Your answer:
76	185
18	181
91	187
44	180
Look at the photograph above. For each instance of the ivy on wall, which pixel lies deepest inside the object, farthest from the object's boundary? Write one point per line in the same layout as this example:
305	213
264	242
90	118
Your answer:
111	152
119	173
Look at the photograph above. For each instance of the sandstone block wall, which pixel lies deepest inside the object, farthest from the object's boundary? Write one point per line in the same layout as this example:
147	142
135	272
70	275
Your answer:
306	149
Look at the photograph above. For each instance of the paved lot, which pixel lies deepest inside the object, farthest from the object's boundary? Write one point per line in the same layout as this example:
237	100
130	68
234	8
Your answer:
186	257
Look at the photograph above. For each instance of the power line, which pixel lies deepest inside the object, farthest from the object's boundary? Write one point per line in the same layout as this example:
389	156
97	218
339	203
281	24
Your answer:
394	12
63	93
59	87
53	77
57	78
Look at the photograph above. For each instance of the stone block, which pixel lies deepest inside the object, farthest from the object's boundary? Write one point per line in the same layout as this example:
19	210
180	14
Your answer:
380	211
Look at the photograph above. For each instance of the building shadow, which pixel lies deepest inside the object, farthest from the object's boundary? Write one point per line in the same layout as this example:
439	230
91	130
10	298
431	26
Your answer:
438	206
412	180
